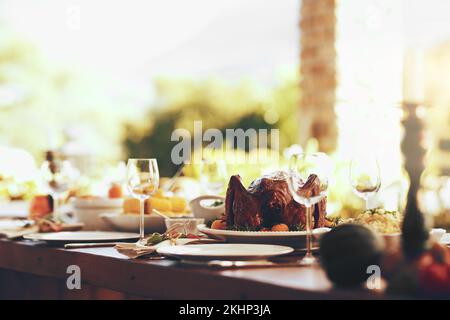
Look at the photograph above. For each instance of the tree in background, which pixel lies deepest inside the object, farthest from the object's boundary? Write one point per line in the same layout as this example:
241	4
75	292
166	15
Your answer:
219	105
40	101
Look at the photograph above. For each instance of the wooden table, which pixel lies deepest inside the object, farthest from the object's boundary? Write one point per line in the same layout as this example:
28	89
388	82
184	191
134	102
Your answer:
35	270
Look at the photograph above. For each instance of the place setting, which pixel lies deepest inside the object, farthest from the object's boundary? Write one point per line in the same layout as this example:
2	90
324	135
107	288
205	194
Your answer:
177	241
186	229
280	220
236	151
227	231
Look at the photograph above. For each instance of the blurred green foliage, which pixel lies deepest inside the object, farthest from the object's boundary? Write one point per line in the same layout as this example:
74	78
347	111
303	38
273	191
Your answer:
40	101
218	105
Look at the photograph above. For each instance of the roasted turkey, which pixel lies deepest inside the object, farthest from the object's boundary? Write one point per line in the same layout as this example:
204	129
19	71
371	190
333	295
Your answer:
268	201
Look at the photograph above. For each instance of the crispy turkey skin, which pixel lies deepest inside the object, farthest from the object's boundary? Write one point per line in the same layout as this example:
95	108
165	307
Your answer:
268	201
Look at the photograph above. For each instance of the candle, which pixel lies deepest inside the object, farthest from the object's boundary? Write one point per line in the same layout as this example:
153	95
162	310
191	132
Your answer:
414	76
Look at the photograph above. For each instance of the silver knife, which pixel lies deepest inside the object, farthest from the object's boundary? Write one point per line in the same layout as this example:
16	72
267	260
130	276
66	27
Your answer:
90	245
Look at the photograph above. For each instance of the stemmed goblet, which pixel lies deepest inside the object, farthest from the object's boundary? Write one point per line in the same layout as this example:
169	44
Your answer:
308	183
142	182
213	176
365	177
57	174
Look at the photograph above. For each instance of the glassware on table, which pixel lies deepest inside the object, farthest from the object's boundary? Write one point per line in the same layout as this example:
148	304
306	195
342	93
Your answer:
365	177
301	167
213	176
142	182
57	174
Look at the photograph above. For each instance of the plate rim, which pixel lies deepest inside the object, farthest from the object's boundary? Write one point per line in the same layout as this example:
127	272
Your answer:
287	250
260	234
41	236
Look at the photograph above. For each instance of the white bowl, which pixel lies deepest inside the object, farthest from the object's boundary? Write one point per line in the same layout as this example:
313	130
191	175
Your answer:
436	234
202	210
393	241
97	203
130	222
187	225
92	218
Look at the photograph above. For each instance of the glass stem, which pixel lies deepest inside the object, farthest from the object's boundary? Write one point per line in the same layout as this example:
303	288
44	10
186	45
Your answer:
55	197
308	226
141	220
366	200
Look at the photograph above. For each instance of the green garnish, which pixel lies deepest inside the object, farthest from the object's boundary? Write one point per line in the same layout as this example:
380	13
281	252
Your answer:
156	238
243	228
297	227
335	220
381	211
216	203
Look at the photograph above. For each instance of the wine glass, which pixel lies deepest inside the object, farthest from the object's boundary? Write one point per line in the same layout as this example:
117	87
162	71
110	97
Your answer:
213	176
142	182
57	174
302	168
365	177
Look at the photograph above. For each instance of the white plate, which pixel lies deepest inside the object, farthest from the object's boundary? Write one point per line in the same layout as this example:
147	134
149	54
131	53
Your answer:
130	222
227	251
97	203
82	236
14	224
295	239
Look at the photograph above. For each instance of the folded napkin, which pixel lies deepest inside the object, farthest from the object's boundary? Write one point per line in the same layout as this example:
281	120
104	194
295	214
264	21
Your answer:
136	250
16	228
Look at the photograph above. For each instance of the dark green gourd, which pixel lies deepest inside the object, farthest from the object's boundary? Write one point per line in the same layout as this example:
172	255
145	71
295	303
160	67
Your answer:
347	251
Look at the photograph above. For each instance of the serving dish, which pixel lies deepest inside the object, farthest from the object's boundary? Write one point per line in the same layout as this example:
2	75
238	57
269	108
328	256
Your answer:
393	241
130	222
91	217
295	239
88	210
97	202
208	207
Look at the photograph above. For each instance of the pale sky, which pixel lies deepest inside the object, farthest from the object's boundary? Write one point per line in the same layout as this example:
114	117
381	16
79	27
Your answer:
427	22
132	41
141	39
